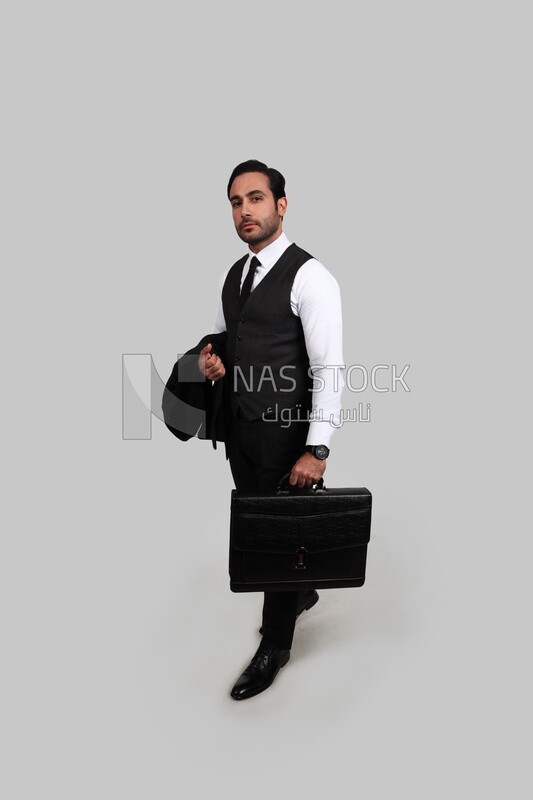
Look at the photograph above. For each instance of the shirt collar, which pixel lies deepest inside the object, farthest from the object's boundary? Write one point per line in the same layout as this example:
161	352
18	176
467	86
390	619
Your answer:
272	253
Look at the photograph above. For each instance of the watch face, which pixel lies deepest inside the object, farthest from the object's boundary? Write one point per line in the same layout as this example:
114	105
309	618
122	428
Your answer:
321	451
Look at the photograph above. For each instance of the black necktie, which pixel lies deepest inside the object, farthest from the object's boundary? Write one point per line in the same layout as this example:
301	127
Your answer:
247	285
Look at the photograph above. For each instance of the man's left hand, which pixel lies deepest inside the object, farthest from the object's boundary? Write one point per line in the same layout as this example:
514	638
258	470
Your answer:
307	470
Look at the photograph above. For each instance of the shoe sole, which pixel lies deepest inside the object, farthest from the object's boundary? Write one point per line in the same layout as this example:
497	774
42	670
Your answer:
305	608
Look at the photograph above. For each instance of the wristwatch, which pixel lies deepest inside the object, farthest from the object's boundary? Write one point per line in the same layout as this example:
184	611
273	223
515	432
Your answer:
319	451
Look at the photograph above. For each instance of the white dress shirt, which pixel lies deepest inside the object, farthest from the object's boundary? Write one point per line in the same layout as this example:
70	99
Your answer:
315	298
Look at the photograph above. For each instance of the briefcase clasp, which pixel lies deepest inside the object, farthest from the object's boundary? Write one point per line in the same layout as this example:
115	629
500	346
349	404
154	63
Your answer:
300	558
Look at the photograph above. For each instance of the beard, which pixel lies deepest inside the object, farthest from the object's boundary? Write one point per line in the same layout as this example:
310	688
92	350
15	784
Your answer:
266	228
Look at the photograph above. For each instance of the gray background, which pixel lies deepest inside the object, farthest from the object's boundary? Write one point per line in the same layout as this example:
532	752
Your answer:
404	132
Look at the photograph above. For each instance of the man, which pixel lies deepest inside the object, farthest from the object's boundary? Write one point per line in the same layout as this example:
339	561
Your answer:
281	310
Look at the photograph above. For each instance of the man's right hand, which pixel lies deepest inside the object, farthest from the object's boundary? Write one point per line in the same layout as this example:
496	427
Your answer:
210	365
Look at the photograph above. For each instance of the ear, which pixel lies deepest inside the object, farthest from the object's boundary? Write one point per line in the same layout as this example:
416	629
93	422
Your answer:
282	206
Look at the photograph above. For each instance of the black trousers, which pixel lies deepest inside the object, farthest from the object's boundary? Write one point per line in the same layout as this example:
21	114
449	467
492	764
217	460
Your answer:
260	452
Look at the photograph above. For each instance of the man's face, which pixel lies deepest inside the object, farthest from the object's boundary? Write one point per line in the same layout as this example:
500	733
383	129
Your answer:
256	215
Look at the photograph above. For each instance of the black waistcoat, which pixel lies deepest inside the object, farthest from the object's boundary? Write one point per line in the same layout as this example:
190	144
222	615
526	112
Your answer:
266	353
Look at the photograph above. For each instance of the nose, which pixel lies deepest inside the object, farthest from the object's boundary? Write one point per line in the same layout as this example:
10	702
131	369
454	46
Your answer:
245	208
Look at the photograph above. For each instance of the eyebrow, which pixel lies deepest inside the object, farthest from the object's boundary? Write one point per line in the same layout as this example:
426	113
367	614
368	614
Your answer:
248	194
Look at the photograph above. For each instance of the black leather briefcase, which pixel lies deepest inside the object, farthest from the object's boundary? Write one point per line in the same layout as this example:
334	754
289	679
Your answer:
305	539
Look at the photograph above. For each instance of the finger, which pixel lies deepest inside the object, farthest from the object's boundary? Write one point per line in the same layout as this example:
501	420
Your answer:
216	372
213	366
205	350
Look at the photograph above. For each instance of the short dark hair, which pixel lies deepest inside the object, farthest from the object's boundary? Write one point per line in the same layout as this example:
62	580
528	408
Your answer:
276	180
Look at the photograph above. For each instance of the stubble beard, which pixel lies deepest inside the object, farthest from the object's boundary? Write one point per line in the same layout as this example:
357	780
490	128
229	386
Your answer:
266	228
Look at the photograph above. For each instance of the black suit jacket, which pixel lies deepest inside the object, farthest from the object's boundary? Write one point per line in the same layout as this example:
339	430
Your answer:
193	405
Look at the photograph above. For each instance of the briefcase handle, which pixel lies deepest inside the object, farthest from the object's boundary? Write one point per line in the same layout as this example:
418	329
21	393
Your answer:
284	486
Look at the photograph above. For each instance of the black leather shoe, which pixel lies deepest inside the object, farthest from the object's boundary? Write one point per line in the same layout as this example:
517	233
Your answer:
305	602
260	672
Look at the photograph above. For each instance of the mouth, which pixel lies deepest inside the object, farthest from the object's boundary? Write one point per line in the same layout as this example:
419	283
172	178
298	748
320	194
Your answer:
247	225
